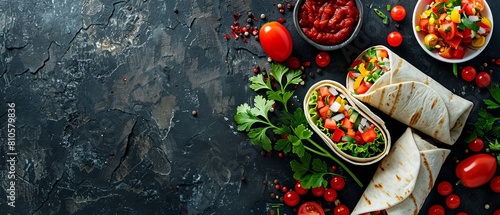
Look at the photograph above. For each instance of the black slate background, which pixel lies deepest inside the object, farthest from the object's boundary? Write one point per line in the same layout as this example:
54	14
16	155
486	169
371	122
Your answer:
104	92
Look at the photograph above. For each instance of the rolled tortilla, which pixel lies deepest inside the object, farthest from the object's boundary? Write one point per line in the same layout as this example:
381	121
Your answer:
410	96
404	178
361	109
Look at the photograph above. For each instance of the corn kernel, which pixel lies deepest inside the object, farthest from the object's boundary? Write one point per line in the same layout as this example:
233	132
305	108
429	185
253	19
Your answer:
418	28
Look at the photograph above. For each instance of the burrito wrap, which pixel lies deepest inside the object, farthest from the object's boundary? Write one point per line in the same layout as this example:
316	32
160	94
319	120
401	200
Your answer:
404	178
362	109
413	98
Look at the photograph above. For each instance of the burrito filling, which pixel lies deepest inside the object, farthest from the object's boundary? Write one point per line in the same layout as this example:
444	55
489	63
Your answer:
368	69
353	133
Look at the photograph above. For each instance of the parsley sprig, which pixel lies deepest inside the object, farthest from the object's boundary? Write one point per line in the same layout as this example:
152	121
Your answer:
486	124
261	126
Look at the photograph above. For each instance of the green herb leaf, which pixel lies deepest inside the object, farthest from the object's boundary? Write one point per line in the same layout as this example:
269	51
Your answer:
310	172
495	146
495	93
283	145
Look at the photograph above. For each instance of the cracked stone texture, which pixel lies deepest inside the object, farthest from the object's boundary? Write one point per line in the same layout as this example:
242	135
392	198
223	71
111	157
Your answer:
104	92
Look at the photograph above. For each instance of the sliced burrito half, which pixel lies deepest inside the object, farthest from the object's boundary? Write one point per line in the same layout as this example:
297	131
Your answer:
404	178
389	83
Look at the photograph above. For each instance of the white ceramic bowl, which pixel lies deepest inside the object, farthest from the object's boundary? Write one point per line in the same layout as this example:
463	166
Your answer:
470	53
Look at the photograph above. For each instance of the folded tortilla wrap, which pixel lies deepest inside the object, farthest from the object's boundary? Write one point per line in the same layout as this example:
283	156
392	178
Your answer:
410	96
404	178
361	109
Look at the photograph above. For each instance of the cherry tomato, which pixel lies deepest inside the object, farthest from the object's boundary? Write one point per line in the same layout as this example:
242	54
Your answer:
452	201
476	170
318	191
323	59
468	73
276	41
341	210
495	184
497	212
394	38
337	182
476	145
310	208
444	188
293	63
472	6
299	189
291	198
398	12
462	213
330	195
483	79
436	210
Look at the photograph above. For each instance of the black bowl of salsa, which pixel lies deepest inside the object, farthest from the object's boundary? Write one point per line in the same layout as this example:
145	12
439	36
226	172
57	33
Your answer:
328	25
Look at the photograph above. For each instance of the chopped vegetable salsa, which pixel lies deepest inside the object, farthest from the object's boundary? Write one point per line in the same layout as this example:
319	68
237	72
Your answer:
367	70
354	134
450	27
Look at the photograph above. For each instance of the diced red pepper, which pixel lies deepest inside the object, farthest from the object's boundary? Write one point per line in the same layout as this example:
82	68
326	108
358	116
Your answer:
359	139
324	92
331	99
454	42
355	63
337	135
459	53
320	104
324	111
363	87
346	123
330	124
351	132
369	135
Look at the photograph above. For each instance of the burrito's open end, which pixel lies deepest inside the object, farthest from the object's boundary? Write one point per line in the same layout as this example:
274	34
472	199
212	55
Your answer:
363	112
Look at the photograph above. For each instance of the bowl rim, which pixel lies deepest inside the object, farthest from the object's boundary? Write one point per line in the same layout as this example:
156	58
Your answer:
435	55
354	34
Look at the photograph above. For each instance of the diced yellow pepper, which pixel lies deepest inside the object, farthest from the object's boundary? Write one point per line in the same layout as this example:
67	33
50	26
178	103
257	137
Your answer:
486	21
455	16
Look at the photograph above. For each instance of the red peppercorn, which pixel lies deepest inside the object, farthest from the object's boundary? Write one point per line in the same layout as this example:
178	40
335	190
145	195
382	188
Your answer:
497	62
282	11
256	69
281	20
280	155
284	189
334	167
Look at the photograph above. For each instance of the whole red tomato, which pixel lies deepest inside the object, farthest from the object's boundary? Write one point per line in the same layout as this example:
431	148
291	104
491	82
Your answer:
476	170
318	191
276	41
299	189
310	208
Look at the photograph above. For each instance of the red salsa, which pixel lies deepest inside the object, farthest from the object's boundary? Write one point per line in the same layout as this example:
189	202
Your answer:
328	22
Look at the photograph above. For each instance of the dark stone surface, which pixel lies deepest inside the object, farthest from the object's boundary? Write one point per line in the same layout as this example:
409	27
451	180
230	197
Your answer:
104	91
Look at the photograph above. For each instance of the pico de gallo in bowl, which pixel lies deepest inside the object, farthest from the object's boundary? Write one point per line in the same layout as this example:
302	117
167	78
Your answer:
349	132
453	31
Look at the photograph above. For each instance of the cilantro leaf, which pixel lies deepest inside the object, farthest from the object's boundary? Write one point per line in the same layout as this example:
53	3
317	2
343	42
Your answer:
258	83
258	137
494	146
310	172
283	145
491	104
495	92
298	148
